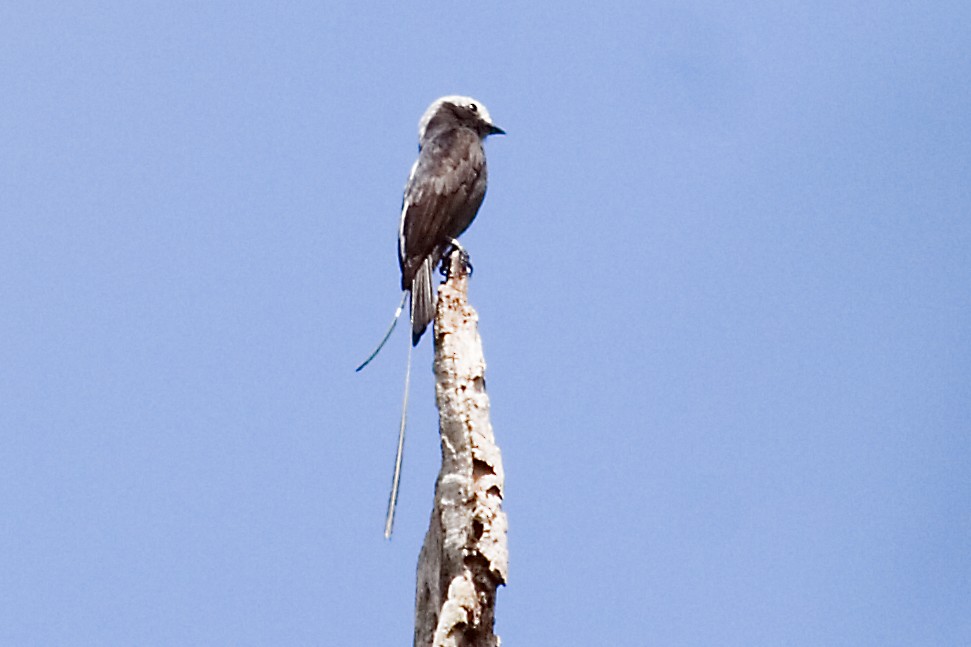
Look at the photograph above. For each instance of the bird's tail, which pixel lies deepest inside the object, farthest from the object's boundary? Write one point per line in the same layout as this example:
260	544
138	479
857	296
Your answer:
384	340
399	454
422	299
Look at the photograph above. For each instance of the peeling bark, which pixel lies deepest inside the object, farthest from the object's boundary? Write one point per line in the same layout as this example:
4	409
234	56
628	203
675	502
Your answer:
465	556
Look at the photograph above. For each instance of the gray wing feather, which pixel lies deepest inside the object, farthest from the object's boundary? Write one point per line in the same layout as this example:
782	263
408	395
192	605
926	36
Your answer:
444	191
441	199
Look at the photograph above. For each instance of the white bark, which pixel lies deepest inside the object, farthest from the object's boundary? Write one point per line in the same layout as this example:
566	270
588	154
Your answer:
465	556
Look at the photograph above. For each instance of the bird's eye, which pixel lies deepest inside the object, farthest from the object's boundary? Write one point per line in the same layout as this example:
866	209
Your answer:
473	107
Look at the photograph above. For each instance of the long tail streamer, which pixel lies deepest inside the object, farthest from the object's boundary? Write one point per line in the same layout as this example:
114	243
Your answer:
384	340
396	479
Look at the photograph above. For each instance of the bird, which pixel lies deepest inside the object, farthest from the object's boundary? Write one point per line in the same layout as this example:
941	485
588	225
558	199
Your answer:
442	196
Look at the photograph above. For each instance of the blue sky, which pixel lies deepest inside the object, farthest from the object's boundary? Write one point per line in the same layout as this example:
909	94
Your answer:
722	273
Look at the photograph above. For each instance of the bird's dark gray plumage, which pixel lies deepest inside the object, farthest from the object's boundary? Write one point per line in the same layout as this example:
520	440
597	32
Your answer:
444	191
443	194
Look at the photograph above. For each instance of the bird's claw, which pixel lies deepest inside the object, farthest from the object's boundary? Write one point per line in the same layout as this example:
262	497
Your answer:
463	257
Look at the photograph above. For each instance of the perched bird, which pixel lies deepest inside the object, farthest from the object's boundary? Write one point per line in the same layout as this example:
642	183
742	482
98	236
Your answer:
443	194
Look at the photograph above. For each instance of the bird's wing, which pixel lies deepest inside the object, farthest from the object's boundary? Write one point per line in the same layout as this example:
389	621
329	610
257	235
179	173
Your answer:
446	187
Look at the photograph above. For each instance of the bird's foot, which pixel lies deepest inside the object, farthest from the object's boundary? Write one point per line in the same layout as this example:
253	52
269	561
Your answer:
463	255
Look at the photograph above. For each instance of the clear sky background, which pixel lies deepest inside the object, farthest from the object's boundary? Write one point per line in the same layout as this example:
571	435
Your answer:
723	273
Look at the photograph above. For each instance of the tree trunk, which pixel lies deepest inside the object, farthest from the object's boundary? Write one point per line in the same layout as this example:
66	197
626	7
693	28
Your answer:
464	558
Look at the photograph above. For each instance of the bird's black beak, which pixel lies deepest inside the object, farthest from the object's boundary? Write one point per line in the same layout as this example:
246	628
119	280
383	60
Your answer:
496	130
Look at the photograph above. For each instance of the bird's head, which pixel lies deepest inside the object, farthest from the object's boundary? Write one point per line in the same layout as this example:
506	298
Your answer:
456	111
